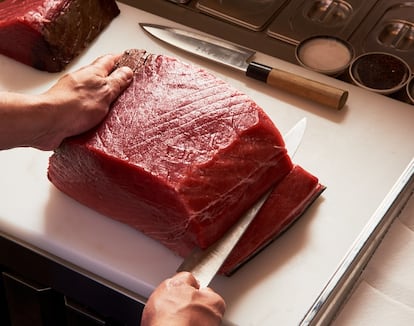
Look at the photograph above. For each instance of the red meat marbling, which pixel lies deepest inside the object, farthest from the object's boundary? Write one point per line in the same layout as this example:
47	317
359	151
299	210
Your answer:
180	156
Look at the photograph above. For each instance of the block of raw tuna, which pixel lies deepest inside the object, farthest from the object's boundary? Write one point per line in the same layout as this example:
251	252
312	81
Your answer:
48	34
180	156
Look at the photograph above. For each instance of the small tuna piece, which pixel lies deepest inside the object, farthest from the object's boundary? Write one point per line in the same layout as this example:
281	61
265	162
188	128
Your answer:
48	34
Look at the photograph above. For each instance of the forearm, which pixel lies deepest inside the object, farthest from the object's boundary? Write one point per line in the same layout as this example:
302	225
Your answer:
26	120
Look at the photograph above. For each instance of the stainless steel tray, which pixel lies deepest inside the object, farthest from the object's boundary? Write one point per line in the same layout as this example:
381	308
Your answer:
301	19
252	14
389	28
342	281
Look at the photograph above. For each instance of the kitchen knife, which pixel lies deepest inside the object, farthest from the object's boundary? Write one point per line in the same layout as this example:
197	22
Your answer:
239	57
204	264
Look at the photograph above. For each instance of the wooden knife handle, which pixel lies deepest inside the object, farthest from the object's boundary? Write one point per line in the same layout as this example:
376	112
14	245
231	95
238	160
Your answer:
310	89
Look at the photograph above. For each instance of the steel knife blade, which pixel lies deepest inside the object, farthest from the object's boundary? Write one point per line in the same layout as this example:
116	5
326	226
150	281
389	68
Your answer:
240	58
204	264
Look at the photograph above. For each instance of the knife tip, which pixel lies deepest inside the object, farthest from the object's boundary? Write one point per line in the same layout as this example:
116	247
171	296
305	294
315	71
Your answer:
146	26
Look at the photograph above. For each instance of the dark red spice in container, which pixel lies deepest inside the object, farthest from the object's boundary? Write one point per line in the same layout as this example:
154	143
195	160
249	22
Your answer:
380	72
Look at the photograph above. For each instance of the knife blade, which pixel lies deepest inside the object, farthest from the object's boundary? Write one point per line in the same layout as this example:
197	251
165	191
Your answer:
240	58
204	264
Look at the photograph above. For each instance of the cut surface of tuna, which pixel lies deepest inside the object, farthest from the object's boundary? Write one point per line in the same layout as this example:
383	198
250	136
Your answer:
180	156
48	34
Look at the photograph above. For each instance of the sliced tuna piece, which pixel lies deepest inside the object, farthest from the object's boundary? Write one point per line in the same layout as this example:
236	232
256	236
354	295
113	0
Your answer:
288	201
48	34
180	156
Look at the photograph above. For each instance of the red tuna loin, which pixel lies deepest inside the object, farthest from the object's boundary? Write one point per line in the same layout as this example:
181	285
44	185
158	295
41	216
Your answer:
48	34
180	156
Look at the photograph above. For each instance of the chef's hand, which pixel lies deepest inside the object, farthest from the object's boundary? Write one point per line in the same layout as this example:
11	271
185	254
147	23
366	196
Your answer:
81	99
179	301
77	102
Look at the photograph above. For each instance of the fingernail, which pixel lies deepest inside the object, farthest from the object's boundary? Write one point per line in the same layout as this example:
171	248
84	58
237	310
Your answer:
127	72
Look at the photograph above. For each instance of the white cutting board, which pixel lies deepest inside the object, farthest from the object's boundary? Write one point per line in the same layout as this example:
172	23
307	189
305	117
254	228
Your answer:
358	153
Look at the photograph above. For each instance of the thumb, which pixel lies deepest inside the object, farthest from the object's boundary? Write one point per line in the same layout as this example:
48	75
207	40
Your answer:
119	79
187	278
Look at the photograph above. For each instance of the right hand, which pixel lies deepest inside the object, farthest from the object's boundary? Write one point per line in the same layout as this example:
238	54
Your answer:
179	301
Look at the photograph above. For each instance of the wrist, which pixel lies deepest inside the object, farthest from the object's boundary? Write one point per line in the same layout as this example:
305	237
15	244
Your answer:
27	121
49	133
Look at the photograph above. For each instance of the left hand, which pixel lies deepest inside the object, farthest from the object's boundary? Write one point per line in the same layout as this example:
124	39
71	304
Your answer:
76	103
81	99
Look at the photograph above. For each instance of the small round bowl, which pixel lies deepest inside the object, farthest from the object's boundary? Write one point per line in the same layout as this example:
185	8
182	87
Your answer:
380	72
328	55
410	89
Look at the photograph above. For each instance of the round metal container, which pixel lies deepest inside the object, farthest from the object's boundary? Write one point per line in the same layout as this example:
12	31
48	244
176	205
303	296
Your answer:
380	72
328	55
410	89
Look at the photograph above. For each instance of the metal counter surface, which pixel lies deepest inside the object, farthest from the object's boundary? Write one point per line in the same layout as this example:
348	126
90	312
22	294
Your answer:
358	153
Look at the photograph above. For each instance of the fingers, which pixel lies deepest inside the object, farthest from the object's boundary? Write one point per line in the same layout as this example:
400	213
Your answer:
185	277
209	294
106	63
117	79
220	304
178	301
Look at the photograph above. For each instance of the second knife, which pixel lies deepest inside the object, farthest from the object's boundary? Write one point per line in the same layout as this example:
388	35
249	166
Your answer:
239	57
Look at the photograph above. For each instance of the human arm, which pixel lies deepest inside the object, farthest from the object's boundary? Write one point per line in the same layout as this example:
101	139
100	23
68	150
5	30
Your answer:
179	301
77	102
